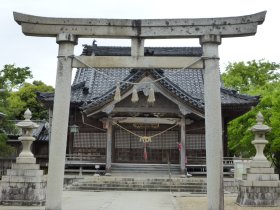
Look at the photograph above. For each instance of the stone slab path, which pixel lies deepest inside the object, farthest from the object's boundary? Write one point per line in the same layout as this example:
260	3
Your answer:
77	200
187	201
119	200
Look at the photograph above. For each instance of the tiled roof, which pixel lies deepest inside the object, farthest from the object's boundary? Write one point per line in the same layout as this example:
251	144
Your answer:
95	87
186	85
126	51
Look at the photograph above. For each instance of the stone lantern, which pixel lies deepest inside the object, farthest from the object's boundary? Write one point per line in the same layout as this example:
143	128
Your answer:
259	187
27	126
24	184
259	142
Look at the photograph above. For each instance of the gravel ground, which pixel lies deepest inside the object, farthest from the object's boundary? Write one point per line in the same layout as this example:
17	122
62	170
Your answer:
193	202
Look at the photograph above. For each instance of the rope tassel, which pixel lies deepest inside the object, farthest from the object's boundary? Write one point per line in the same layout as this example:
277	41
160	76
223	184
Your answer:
117	97
145	151
134	97
151	97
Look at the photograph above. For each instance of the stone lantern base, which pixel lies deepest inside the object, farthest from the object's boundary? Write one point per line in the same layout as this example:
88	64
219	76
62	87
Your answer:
24	185
260	186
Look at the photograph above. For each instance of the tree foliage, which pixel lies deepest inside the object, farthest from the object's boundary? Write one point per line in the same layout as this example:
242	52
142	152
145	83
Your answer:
255	78
12	77
26	97
16	96
244	77
5	150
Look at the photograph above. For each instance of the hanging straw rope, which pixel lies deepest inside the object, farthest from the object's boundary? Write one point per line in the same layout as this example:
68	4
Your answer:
145	138
83	120
164	131
127	130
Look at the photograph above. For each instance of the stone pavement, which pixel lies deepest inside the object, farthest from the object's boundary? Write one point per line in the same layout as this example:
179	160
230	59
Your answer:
111	200
187	201
135	200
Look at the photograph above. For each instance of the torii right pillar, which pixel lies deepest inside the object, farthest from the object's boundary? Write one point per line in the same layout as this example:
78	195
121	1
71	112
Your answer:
213	122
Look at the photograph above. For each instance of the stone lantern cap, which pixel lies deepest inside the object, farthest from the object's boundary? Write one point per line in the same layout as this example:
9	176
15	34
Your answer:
260	127
27	123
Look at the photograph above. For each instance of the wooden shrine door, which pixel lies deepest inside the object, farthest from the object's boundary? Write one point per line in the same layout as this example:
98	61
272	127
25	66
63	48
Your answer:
128	148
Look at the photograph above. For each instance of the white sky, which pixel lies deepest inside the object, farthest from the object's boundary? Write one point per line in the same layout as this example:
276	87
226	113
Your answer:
40	53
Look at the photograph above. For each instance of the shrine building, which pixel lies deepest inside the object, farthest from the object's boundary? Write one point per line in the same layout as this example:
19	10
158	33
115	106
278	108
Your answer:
152	116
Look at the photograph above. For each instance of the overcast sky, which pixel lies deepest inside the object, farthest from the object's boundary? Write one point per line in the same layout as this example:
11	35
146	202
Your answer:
40	53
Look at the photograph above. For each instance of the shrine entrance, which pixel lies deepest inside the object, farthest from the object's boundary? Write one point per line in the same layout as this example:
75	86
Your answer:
209	31
162	149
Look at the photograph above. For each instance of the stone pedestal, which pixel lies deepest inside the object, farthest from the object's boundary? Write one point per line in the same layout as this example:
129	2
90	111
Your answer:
259	186
25	183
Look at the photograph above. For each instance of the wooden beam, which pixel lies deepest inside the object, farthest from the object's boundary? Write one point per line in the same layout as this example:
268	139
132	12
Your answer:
145	110
145	28
136	62
147	120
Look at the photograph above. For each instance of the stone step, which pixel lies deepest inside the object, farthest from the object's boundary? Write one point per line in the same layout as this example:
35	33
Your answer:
23	179
260	170
121	188
25	166
144	168
24	172
137	184
105	179
261	177
117	178
103	183
151	170
137	187
141	184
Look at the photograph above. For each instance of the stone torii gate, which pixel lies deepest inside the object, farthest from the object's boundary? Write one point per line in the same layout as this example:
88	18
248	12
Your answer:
210	31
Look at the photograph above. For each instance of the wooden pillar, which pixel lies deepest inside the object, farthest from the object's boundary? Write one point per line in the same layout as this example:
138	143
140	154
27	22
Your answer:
109	145
225	139
213	122
183	146
60	121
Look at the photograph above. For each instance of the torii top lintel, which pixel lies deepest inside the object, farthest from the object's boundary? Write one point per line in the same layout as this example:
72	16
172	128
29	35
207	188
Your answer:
140	28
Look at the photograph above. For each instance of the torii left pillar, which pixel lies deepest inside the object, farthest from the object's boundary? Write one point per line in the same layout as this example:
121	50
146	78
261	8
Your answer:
60	121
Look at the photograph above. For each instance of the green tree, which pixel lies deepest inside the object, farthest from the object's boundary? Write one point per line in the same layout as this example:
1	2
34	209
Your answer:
11	77
26	97
256	78
5	150
244	77
15	97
